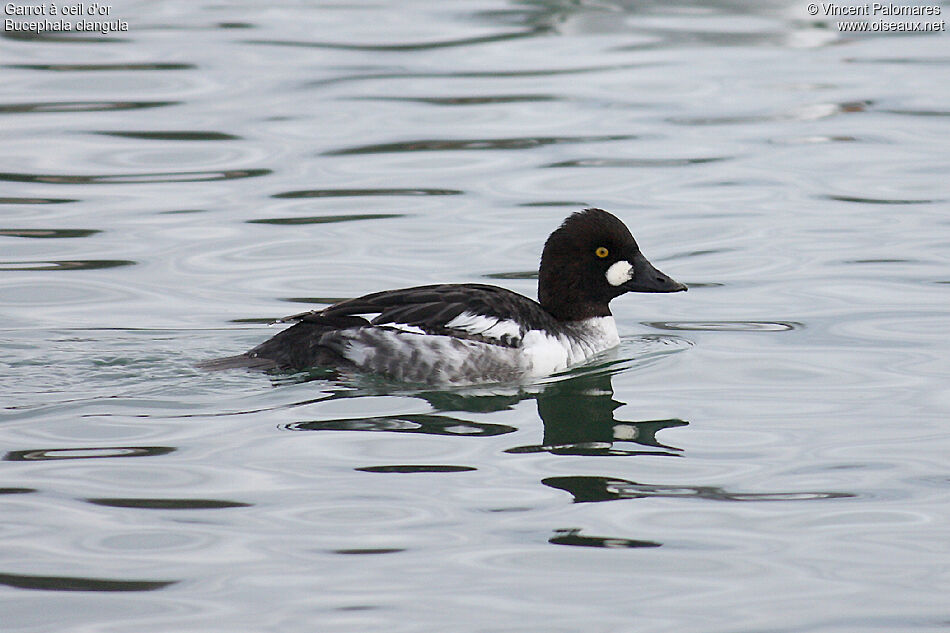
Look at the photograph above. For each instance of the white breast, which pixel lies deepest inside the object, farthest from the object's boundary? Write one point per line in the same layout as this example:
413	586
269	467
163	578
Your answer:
546	353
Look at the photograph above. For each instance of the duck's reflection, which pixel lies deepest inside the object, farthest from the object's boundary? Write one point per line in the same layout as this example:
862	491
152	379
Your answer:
577	413
586	489
578	416
428	424
575	538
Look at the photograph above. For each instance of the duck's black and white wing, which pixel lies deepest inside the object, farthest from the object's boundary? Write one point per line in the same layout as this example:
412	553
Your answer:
467	311
471	331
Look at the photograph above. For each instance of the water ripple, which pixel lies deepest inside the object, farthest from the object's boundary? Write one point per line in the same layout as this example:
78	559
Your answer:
409	47
169	504
637	162
72	264
103	67
478	74
808	112
727	326
864	200
587	489
180	176
326	219
464	101
440	145
518	274
82	106
915	61
45	454
357	193
368	550
170	135
36	200
416	468
573	536
48	233
420	423
78	583
57	37
923	113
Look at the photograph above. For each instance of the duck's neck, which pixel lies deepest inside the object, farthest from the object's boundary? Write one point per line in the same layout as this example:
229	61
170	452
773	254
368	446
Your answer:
567	308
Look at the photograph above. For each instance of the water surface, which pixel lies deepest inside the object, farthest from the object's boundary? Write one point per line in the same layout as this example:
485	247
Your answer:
764	453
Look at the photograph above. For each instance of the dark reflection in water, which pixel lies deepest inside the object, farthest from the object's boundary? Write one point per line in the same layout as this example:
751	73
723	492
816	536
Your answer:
575	538
556	14
416	46
309	301
102	67
587	489
862	200
42	233
578	417
36	200
56	36
81	106
416	468
519	274
803	113
635	162
44	454
78	264
476	74
463	101
440	145
555	203
78	583
373	550
727	326
17	491
926	113
327	219
427	424
820	138
171	135
114	179
882	260
320	300
359	193
916	61
169	504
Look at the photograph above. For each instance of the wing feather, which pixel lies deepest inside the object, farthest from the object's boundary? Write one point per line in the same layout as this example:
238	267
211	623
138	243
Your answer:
476	311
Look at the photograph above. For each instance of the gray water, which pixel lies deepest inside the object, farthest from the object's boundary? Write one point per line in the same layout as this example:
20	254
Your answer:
765	453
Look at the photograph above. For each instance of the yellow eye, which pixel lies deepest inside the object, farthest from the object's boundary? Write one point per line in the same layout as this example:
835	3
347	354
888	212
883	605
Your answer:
601	252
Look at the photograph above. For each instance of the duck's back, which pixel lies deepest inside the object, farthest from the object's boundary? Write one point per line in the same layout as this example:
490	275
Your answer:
450	334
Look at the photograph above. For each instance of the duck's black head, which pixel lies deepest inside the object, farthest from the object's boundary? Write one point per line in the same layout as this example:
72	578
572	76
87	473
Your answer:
589	260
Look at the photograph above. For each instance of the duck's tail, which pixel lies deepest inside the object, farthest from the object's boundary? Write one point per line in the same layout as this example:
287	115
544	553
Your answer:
241	361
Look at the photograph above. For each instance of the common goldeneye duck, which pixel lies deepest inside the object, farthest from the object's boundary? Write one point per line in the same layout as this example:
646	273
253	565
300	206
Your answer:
475	333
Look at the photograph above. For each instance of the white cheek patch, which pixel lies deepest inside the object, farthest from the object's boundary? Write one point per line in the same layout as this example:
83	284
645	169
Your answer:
620	272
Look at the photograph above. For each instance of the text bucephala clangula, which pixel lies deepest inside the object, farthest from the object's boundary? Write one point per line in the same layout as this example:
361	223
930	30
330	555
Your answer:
476	333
